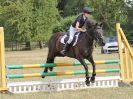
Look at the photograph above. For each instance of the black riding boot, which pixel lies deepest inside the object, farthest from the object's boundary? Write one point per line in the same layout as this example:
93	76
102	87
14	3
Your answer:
65	49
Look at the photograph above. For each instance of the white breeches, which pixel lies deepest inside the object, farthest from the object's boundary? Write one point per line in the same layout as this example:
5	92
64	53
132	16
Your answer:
72	31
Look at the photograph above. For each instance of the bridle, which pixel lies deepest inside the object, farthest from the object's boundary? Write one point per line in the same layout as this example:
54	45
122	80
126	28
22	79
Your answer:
93	30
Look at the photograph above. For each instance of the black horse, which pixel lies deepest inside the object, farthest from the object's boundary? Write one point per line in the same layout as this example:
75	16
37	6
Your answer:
82	50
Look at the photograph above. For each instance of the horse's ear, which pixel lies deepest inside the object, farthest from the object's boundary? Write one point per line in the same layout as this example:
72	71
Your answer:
96	24
101	24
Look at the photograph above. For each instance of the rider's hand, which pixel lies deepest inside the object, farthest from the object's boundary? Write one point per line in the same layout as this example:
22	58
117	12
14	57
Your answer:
81	30
84	30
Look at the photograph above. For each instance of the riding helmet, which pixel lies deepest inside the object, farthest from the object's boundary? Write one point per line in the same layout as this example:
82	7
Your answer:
87	10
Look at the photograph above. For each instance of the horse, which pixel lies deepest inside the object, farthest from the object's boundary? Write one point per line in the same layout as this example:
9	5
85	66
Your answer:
82	50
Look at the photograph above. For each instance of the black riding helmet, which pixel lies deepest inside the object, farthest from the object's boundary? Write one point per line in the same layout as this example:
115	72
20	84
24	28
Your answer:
87	10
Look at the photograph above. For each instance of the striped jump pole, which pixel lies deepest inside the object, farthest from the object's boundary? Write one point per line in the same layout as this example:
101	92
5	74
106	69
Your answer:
59	64
77	72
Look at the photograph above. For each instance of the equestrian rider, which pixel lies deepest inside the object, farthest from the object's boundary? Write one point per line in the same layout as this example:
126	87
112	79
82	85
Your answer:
77	27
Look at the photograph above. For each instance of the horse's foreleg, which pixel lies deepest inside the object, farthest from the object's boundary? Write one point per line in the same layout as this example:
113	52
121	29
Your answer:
94	69
86	71
45	71
49	60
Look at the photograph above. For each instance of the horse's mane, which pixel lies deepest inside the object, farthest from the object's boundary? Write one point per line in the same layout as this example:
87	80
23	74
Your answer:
90	23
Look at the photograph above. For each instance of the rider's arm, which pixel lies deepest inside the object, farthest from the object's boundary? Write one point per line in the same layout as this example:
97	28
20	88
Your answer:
79	29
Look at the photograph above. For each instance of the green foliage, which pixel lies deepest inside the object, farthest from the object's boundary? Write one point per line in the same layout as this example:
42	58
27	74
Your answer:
28	20
109	12
128	26
71	7
64	24
45	16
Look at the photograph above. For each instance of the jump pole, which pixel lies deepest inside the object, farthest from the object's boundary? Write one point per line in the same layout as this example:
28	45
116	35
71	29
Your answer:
77	72
115	61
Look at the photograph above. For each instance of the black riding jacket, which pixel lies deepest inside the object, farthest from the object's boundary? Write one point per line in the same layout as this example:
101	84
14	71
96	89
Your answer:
81	21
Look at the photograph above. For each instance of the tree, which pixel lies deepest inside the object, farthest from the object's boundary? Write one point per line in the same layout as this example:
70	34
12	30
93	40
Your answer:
109	12
64	24
29	20
71	7
45	17
129	22
61	6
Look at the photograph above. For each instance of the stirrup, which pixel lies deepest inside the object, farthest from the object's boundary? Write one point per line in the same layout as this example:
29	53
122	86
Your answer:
63	52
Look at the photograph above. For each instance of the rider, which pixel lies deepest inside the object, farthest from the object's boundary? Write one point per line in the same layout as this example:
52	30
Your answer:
77	27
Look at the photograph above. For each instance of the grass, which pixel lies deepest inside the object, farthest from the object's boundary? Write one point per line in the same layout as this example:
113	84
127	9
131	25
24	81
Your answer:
39	56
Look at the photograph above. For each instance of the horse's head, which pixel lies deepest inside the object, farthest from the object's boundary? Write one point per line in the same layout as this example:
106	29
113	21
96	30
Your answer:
95	30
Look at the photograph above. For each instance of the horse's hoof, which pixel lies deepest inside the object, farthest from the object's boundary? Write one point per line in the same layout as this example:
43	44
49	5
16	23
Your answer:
87	82
51	68
92	80
43	76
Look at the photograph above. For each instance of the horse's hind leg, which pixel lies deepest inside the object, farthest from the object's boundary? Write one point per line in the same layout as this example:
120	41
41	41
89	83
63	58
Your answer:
86	71
94	69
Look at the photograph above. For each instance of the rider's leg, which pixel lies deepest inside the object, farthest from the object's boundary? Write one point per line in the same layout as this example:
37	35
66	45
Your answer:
65	49
67	45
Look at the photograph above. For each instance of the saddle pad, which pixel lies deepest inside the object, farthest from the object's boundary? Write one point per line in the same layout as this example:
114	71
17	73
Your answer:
65	38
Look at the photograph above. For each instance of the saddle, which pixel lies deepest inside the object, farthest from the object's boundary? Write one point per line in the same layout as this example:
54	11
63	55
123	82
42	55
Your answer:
65	38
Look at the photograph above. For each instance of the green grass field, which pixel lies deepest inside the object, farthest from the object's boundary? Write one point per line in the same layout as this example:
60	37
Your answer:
39	56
